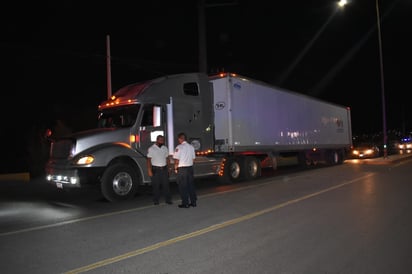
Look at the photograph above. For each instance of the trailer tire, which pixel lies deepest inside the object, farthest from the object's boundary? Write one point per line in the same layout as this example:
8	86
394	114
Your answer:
274	160
119	182
334	157
251	168
304	161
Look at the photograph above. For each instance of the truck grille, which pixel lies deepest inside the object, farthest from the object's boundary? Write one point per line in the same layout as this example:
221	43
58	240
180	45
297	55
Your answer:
62	149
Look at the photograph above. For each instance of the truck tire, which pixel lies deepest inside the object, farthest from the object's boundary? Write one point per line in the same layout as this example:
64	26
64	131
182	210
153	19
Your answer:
251	168
119	182
231	172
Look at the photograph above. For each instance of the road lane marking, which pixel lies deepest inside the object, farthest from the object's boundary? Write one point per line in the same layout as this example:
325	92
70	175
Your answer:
71	221
206	230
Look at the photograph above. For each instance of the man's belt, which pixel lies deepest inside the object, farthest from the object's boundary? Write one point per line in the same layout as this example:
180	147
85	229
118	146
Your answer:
159	167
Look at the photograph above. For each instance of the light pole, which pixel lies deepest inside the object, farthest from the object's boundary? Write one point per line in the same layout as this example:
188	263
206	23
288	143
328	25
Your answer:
202	36
385	137
201	6
342	3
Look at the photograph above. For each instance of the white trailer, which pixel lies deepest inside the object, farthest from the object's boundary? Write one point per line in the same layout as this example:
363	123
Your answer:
254	120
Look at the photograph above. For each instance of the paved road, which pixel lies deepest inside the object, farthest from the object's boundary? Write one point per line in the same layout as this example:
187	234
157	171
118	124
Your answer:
343	219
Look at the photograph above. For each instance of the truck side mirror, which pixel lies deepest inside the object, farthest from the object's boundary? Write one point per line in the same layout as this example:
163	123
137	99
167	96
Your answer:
157	116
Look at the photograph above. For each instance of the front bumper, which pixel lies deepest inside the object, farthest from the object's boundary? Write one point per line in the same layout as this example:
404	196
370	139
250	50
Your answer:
73	178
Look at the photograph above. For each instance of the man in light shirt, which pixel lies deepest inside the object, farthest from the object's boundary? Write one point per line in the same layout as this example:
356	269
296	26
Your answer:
158	169
183	160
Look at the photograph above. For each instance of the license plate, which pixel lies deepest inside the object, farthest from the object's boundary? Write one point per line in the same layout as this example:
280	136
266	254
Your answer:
59	185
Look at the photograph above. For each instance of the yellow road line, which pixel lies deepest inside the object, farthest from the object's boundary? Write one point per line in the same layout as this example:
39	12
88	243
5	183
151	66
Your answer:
205	230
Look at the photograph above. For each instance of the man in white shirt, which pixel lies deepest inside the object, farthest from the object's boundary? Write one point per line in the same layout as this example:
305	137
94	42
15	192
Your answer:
183	160
158	169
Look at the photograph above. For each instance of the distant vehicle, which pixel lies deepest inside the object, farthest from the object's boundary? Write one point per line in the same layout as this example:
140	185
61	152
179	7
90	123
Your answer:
405	143
365	150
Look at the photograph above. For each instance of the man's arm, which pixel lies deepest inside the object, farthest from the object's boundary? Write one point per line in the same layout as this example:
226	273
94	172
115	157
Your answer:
149	166
176	165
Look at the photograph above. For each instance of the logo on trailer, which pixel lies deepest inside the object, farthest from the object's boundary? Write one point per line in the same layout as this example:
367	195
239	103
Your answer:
220	105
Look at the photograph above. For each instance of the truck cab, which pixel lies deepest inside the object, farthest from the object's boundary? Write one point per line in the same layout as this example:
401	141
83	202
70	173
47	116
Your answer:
113	155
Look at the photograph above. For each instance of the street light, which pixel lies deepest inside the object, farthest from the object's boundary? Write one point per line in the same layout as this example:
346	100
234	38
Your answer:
385	137
341	4
284	75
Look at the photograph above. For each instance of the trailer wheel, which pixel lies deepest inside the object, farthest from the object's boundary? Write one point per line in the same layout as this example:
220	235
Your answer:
304	161
335	158
119	182
251	168
274	163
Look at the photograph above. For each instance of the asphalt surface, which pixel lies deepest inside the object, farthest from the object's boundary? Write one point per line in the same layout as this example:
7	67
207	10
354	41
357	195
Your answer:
350	218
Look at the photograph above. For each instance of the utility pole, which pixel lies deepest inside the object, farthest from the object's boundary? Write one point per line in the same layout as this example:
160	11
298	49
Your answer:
385	136
202	36
202	43
108	68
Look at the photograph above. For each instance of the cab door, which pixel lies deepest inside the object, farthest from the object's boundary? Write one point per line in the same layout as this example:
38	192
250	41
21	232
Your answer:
152	124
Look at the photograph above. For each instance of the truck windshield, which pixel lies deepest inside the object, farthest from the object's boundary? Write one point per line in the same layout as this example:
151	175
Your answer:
118	117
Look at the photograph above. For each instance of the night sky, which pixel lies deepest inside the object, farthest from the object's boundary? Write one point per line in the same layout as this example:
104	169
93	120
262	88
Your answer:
54	52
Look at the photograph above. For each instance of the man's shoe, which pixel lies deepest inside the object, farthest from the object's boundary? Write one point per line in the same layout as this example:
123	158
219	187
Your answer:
183	206
192	204
156	203
169	202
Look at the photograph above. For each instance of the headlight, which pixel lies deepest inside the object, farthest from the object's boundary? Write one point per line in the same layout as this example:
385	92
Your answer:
86	160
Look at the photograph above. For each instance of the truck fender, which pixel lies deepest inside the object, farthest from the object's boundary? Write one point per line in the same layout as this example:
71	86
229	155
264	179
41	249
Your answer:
105	153
108	155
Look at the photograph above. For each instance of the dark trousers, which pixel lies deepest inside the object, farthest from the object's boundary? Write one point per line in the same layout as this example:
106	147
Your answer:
186	184
160	182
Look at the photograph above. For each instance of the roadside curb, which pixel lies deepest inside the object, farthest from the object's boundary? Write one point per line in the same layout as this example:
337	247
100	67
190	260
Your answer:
22	177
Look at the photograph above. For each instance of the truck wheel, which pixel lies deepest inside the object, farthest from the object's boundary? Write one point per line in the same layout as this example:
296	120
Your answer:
251	168
119	182
231	172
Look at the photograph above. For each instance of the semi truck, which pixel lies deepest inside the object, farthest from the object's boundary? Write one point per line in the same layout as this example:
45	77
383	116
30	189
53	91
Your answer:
237	125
